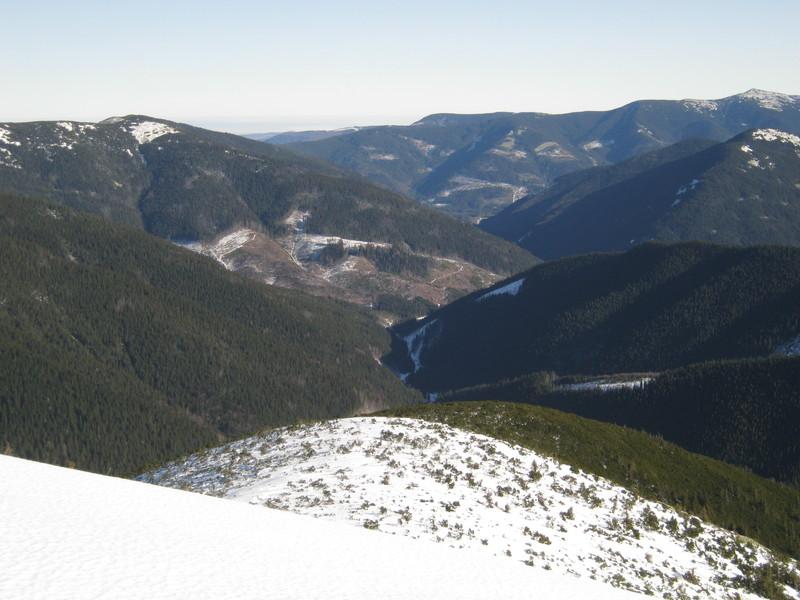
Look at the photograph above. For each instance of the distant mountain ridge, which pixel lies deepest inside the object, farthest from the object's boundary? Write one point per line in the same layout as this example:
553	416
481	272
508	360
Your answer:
472	166
197	187
743	191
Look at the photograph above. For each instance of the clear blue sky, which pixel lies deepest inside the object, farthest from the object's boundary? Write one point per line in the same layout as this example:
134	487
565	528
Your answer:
244	65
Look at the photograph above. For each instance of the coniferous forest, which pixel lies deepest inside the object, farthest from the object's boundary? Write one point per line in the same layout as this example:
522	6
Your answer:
121	350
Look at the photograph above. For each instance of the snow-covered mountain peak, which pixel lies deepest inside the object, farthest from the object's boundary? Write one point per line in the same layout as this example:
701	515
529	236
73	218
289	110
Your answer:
429	481
769	100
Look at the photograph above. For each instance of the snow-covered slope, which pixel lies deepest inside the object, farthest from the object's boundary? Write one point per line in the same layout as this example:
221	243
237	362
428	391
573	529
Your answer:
73	535
429	481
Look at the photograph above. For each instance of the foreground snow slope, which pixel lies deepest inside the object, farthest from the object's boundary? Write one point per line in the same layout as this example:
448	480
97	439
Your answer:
430	481
70	534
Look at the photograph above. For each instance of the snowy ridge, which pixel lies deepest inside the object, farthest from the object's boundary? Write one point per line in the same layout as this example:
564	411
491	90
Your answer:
509	289
769	100
70	535
430	481
146	131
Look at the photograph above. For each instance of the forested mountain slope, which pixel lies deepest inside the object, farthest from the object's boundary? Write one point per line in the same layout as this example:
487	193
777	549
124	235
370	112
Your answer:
744	191
654	307
120	349
744	412
263	210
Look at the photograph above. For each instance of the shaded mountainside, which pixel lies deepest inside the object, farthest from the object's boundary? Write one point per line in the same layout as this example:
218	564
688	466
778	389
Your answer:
472	166
120	350
744	191
195	186
652	308
743	412
723	494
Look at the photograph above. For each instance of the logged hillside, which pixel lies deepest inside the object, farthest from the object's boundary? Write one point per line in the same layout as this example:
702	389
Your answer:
120	350
743	412
744	191
285	212
728	496
472	166
652	308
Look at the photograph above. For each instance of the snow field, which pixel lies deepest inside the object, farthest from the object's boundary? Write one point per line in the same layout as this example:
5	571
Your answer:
428	481
74	535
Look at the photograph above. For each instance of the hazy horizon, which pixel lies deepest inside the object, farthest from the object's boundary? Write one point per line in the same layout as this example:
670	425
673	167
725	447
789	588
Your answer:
267	66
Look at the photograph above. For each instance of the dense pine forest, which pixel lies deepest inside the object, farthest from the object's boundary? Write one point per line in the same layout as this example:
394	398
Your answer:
742	412
121	350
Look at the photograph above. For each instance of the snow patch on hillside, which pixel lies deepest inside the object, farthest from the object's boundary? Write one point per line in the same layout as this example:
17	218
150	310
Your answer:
775	135
553	150
146	131
593	145
685	189
7	156
425	480
604	385
421	145
374	154
790	348
222	247
304	246
68	534
415	342
5	138
509	289
468	184
701	105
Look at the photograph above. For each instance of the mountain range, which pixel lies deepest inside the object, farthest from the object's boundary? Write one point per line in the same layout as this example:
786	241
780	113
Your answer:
472	166
260	209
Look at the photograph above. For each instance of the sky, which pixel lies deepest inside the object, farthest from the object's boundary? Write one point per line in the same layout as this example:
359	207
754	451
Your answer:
249	66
